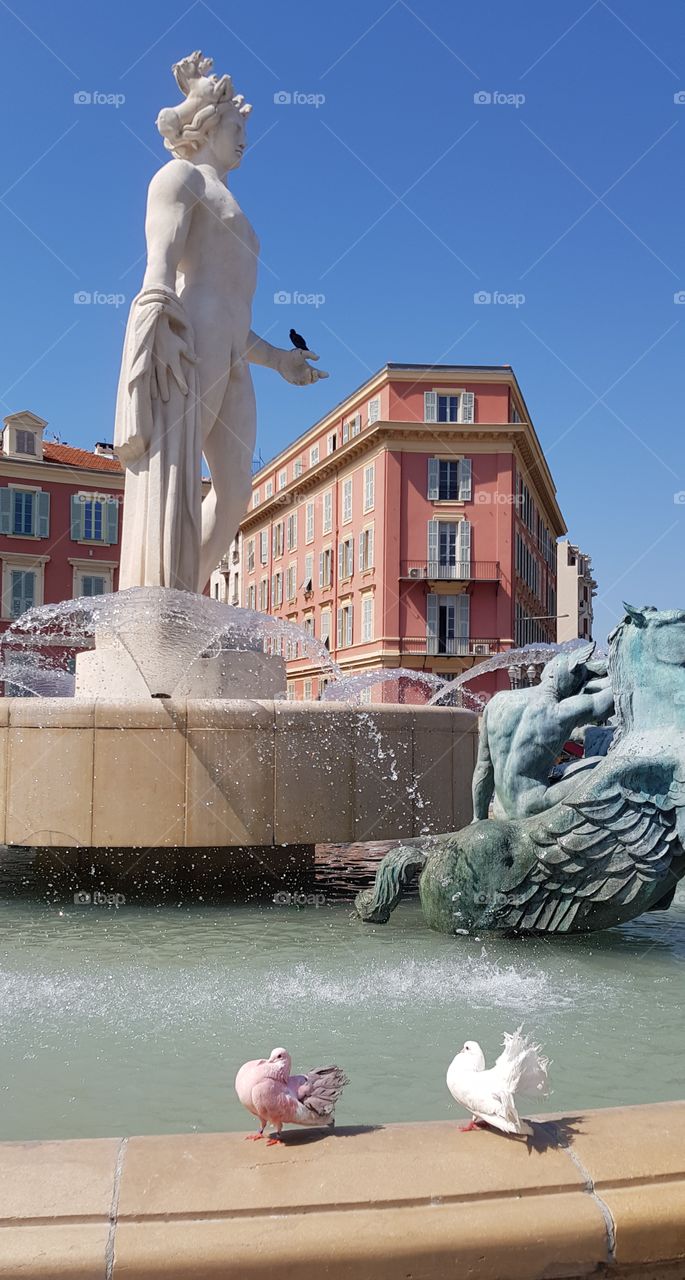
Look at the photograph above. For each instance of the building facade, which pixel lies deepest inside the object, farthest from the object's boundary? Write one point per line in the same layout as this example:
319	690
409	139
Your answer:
415	526
576	588
224	584
60	512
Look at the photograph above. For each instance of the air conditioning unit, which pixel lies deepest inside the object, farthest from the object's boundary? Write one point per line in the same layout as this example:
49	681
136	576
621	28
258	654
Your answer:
416	573
481	650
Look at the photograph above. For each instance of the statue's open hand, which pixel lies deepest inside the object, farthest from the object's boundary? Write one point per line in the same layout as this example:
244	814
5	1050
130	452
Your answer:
293	366
169	349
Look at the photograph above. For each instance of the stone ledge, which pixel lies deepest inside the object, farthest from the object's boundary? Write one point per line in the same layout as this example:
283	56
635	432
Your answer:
601	1193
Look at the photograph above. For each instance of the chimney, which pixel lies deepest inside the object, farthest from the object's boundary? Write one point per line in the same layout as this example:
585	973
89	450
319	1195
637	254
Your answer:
104	450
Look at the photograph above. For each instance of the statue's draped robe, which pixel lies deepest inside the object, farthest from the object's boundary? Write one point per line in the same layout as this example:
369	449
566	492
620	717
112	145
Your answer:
159	443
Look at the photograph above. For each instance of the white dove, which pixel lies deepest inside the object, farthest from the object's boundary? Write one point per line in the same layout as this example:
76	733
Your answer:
489	1095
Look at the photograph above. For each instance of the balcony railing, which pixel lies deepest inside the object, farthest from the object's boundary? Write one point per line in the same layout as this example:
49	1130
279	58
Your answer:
459	571
459	647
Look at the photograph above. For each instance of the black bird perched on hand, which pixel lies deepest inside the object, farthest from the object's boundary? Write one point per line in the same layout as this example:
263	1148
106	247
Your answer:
298	341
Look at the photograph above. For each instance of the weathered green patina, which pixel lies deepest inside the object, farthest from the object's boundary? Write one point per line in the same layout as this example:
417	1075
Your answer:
612	847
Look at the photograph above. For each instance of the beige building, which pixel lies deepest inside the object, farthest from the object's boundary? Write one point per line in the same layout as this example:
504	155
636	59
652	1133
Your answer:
575	589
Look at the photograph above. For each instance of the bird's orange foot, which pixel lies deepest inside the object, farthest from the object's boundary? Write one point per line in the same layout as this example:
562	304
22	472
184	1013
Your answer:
472	1124
274	1142
253	1137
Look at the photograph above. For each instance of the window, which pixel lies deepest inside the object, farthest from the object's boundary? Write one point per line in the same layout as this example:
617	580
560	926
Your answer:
345	625
326	627
290	691
308	583
449	480
22	591
328	511
332	443
366	548
448	406
255	498
25	442
308	624
374	409
23	507
283	478
527	565
447	625
264	595
94	519
95	585
292	581
251	596
367	618
307	690
449	549
277	539
263	546
309	522
276	589
24	512
355	424
291	531
297	468
268	488
346	432
369	486
314	455
326	568
347	501
346	558
250	556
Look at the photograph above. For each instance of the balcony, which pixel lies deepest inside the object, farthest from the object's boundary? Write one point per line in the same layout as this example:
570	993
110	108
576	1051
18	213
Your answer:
459	647
460	571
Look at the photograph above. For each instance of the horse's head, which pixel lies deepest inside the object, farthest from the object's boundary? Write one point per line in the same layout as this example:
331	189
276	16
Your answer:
647	668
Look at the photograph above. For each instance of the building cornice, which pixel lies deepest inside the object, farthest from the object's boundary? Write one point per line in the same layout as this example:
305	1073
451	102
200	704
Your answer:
60	473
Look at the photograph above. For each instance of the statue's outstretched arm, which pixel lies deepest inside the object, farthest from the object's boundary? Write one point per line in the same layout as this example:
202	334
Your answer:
483	786
291	364
586	707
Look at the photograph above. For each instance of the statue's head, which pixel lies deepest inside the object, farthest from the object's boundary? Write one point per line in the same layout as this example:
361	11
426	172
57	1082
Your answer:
210	112
567	673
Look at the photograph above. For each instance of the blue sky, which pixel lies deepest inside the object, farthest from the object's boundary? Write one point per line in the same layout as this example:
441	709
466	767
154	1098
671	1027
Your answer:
397	198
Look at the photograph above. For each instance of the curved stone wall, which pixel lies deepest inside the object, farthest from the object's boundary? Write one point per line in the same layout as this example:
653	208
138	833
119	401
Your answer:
598	1193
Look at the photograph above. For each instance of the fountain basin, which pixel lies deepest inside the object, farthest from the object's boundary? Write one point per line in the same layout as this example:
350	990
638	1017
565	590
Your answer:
214	773
601	1192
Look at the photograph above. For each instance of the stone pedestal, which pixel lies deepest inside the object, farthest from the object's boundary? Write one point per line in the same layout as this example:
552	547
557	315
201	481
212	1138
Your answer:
110	671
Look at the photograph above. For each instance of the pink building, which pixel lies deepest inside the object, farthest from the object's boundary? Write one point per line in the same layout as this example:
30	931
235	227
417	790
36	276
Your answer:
414	526
59	518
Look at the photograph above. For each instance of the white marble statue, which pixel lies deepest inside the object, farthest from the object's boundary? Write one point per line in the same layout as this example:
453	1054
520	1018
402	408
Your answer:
185	388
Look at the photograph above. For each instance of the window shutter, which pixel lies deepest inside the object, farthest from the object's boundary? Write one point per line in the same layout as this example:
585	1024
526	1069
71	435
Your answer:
340	560
430	406
5	509
77	508
464	549
432	623
433	479
463	616
433	533
350	624
362	539
369	555
466	406
351	554
340	628
321	568
43	515
464	473
112	521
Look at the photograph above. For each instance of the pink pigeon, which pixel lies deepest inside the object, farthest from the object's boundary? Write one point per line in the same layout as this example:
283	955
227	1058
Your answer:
267	1089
